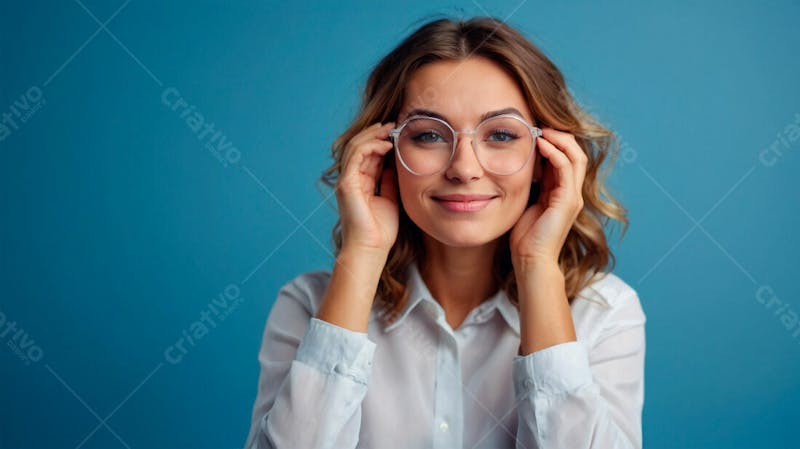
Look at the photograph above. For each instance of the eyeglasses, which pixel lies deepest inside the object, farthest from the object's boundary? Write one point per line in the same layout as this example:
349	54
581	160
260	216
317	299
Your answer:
503	144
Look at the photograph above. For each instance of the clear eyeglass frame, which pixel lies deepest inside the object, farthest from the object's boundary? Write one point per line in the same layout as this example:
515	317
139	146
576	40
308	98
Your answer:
394	133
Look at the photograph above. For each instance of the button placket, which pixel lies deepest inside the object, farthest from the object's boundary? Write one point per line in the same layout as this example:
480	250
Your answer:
448	394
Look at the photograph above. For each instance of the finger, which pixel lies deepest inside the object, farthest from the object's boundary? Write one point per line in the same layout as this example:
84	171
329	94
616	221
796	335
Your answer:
565	175
362	174
351	146
372	164
367	161
566	143
529	217
376	131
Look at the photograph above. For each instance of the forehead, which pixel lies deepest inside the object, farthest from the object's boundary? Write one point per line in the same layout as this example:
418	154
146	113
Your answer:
462	90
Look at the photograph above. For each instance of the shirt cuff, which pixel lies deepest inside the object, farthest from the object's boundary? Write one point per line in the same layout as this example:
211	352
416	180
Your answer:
337	351
556	369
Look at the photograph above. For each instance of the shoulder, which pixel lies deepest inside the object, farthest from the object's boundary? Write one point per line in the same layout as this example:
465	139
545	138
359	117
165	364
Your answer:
613	296
306	288
608	316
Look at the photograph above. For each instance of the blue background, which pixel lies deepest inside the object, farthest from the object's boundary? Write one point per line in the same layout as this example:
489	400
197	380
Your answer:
119	228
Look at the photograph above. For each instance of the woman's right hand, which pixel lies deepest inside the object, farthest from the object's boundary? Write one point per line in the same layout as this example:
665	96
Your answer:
369	222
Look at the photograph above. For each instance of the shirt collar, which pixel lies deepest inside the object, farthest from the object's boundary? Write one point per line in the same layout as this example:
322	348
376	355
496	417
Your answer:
418	292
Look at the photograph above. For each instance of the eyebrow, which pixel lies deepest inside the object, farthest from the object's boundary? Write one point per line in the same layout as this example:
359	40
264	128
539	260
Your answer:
486	115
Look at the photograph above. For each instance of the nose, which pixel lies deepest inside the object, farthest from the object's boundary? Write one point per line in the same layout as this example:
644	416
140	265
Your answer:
465	166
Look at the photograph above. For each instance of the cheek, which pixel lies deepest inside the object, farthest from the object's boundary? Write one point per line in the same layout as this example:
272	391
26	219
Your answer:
409	189
522	195
403	182
518	198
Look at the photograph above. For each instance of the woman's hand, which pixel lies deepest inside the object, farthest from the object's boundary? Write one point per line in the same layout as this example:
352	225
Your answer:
540	233
369	222
369	228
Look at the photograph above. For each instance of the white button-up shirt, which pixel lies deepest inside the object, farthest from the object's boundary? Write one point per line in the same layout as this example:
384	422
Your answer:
418	383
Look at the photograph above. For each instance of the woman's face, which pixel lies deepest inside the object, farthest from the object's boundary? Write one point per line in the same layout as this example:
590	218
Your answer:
462	91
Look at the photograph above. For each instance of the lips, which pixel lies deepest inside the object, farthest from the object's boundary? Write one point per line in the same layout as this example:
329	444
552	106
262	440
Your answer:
464	203
464	197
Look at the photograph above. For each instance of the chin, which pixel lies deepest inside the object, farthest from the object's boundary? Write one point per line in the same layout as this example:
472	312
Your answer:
463	234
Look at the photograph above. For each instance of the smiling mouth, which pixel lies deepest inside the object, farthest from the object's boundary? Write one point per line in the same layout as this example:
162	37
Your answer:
464	206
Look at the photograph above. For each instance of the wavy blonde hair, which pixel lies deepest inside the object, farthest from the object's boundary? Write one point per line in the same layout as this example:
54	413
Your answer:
585	252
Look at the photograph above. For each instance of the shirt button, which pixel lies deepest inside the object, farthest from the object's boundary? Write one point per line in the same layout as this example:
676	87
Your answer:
444	426
527	382
340	368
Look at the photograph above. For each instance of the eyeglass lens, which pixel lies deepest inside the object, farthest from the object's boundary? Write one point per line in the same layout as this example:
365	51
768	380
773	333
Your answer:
503	145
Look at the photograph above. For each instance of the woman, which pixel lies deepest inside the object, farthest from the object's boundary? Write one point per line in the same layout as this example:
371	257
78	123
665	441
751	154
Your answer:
468	306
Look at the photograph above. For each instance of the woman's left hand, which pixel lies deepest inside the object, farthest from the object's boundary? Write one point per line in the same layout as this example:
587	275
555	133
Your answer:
541	231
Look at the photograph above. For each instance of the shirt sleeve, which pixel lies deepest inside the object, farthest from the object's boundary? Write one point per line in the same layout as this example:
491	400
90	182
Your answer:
314	376
569	397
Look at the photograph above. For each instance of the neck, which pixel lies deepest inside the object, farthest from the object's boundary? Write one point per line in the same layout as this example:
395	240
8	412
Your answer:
460	279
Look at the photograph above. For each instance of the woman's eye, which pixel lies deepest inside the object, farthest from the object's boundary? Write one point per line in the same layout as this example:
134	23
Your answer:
503	136
428	137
